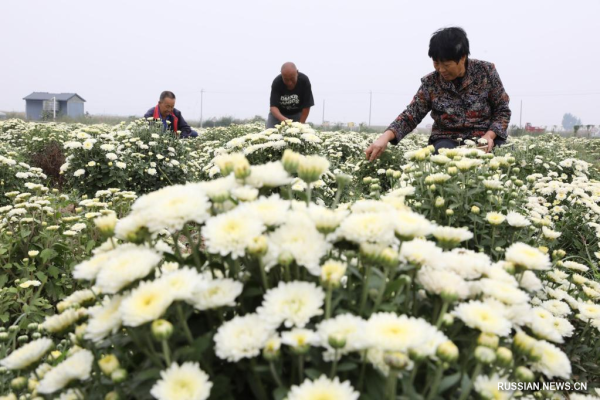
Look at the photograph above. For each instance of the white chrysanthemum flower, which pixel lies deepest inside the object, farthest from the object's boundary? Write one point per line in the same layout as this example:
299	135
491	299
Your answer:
299	338
272	211
553	362
271	174
60	322
245	193
231	233
105	319
216	293
517	220
298	237
484	317
421	252
558	308
323	389
326	220
489	387
410	225
527	257
347	327
443	282
292	303
466	263
495	218
449	234
530	282
148	302
218	190
550	234
28	354
172	206
389	331
589	311
78	297
79	173
125	265
373	227
242	337
310	168
575	266
76	367
542	325
182	382
182	283
505	292
30	283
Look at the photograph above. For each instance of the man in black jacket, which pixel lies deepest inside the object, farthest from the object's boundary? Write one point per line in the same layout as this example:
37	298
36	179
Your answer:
291	96
171	117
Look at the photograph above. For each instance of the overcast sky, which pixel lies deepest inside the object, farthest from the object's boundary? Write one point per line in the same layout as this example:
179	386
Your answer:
119	55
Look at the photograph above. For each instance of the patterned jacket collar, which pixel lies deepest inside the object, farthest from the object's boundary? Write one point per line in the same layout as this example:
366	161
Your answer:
467	79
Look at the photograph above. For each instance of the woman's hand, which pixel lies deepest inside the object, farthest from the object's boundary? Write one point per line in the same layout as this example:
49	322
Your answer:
490	136
378	146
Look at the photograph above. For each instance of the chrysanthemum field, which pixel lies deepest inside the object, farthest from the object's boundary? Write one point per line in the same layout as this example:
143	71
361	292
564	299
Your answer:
279	264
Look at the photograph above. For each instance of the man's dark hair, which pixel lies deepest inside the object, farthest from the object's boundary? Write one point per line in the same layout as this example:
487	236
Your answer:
167	95
449	44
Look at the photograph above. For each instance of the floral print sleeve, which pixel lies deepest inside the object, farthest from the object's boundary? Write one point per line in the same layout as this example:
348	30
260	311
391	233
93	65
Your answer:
460	109
498	99
412	116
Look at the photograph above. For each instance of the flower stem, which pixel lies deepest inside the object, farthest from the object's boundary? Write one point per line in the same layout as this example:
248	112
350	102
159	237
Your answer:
262	394
166	352
328	301
334	365
184	325
300	368
365	290
275	374
382	291
392	384
442	313
436	381
308	193
467	391
263	274
363	368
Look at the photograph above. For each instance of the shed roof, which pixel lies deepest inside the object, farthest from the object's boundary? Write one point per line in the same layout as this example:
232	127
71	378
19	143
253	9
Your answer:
48	96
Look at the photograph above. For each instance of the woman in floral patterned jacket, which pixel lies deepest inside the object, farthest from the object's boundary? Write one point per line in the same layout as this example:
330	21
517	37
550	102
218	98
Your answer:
465	96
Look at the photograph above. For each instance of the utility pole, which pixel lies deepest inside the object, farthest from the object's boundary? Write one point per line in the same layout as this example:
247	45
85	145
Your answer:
521	116
201	106
323	122
370	105
54	108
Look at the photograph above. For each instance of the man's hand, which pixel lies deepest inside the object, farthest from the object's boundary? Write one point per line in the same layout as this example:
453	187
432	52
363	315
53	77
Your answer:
490	136
378	146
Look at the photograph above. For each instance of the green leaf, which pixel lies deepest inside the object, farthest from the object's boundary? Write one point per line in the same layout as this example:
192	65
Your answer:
41	276
53	271
3	280
448	382
312	373
280	393
48	254
346	367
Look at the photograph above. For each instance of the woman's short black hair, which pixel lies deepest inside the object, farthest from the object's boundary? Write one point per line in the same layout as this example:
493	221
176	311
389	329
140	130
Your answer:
449	44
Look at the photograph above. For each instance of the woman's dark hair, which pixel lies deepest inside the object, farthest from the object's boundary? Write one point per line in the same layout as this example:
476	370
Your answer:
449	44
167	95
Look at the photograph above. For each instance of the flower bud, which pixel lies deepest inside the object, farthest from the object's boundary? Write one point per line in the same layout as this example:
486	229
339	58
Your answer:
32	385
343	180
504	356
524	374
4	336
258	246
447	320
271	350
396	174
36	335
18	383
367	180
337	341
13	328
332	272
118	375
109	364
396	360
523	343
23	339
161	329
452	171
286	258
449	212
475	210
112	396
241	169
106	224
389	257
447	351
439	202
375	187
485	355
290	161
32	326
310	168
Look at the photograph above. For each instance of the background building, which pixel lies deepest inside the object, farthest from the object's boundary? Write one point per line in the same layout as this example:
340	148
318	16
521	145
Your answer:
40	104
